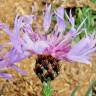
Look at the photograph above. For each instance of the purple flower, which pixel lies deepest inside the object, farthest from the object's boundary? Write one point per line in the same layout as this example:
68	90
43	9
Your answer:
47	18
25	42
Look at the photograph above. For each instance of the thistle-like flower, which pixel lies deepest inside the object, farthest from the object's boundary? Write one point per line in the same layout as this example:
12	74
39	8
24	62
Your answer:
49	48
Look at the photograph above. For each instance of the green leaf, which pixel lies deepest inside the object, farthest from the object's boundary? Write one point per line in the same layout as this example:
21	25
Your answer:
94	1
75	91
90	23
47	89
89	91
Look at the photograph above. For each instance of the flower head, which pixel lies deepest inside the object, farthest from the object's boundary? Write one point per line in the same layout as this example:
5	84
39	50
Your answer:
25	42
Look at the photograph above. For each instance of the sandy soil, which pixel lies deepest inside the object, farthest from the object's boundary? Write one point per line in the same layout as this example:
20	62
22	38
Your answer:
29	85
9	8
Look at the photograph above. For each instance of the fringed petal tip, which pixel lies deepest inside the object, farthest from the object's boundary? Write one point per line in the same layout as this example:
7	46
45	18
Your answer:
60	19
47	18
23	72
6	76
81	52
79	59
